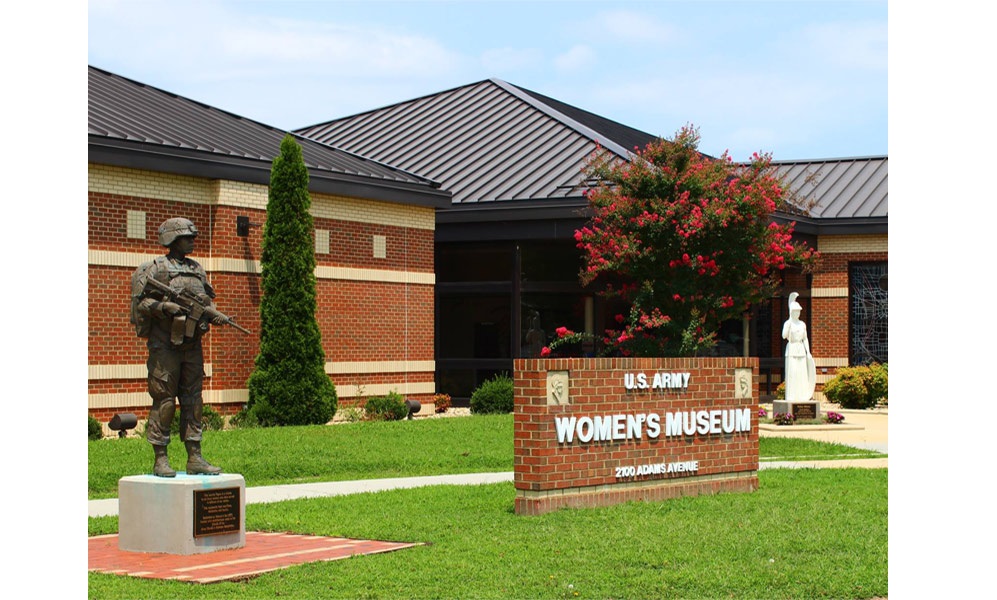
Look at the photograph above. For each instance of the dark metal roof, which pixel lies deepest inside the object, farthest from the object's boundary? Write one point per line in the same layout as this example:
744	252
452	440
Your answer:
511	154
624	135
843	188
136	125
486	141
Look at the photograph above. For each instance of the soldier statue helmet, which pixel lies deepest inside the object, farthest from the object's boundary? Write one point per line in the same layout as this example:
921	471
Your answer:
173	228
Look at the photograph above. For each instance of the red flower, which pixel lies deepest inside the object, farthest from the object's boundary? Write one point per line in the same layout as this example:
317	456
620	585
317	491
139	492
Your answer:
563	331
545	351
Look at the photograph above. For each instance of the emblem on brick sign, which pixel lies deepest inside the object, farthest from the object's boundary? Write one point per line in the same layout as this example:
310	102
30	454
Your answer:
557	387
742	383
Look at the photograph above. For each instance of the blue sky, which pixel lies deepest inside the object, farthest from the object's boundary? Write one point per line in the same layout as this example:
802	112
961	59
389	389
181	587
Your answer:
796	79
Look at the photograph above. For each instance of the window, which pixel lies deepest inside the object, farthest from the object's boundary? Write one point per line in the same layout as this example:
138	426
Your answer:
869	309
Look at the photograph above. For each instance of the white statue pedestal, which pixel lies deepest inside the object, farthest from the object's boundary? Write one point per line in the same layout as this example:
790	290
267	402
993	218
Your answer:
801	410
186	514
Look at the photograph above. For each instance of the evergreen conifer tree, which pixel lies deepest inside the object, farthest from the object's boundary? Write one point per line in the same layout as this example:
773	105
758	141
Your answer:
289	385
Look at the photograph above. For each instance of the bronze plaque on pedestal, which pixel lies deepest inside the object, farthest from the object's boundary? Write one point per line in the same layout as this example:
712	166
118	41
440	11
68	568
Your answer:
217	512
805	411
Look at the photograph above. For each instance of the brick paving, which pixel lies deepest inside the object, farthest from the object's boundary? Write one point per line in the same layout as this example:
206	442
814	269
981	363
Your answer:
263	552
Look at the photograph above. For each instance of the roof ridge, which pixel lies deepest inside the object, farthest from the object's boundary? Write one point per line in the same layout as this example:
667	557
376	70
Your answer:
527	96
799	161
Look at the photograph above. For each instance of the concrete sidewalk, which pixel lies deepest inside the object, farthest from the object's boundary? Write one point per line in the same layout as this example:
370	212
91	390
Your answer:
863	429
867	429
277	493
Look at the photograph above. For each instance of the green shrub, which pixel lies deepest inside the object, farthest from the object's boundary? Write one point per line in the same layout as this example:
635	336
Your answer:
386	408
879	383
858	387
351	413
96	431
244	419
289	385
493	396
211	419
441	402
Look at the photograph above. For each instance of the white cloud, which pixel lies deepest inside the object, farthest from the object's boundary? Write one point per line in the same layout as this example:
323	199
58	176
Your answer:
221	41
279	71
347	49
740	111
578	57
859	45
632	27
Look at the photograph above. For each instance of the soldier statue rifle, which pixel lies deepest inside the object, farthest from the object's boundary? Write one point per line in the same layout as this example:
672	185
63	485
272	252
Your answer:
194	308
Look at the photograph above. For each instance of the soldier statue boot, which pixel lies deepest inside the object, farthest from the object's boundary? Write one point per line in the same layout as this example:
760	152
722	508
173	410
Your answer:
196	465
161	468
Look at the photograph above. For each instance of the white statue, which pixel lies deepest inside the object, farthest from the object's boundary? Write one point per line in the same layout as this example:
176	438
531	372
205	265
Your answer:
801	371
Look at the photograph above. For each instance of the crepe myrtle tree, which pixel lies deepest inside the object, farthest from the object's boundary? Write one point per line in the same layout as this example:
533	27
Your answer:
687	241
288	385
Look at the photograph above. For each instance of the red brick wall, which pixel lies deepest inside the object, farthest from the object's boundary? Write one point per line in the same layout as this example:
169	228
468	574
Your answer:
350	244
107	218
829	329
550	474
376	321
111	337
360	320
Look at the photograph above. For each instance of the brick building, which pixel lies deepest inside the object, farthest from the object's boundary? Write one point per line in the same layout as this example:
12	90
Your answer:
845	300
506	262
153	155
414	299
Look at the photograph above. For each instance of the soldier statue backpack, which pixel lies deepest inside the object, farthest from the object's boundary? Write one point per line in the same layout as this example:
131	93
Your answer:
142	322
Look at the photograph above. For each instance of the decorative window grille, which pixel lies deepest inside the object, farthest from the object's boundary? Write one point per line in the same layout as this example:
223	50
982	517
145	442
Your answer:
869	307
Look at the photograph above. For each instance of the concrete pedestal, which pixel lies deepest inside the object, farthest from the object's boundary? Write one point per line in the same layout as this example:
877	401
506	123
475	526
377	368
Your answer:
186	514
800	410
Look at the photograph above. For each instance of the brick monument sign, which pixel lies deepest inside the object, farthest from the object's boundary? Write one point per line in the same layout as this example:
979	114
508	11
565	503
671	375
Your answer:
600	431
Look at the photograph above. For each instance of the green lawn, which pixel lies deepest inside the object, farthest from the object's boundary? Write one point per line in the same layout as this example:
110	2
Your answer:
371	450
806	533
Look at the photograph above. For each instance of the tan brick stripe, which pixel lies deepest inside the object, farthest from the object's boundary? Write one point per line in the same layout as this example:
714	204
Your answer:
138	371
108	258
192	190
241	396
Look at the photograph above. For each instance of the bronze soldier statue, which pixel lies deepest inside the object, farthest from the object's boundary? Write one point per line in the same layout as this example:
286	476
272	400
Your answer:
172	305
